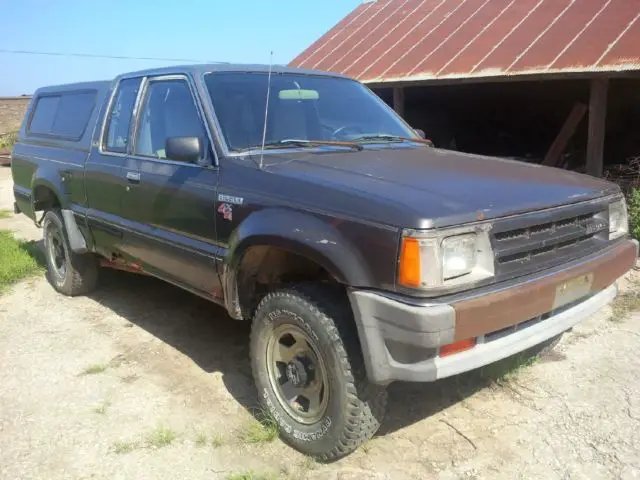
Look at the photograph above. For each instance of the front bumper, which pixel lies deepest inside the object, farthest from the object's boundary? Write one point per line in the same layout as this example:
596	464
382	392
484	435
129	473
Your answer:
401	337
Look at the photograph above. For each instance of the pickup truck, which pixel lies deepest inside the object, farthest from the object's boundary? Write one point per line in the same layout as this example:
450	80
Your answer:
299	201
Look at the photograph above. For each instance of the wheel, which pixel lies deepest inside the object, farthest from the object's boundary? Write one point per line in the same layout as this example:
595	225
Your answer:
69	273
310	374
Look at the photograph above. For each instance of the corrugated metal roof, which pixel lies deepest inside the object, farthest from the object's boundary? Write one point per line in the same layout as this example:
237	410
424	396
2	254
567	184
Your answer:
413	40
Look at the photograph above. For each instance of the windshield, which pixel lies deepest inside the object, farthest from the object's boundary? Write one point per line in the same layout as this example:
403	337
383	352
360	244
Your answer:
301	107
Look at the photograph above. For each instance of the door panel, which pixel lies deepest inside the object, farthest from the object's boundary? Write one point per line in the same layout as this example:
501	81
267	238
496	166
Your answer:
104	170
172	204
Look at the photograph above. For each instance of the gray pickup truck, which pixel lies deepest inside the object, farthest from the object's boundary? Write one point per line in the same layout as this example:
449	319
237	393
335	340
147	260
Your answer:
300	202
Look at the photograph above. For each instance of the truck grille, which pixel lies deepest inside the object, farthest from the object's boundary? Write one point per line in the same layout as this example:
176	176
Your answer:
544	239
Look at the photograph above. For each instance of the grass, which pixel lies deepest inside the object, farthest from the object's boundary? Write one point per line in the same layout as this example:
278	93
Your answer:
161	437
5	213
102	408
8	140
201	439
624	304
263	429
125	447
251	475
20	259
508	368
216	440
94	369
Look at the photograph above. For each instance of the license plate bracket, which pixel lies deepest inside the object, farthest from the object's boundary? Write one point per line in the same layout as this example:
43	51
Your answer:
572	290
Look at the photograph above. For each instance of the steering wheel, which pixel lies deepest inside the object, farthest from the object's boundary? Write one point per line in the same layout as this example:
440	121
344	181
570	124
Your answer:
337	133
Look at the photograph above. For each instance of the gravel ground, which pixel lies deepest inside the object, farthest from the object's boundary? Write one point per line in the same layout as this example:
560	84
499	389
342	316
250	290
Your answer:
162	358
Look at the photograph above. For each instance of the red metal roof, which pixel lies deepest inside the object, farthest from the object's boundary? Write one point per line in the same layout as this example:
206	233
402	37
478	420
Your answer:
412	40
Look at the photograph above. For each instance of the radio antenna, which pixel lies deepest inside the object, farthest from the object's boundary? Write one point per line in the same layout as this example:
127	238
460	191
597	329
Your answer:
266	110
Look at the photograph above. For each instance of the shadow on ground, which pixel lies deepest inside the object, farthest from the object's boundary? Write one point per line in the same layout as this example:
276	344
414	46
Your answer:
216	343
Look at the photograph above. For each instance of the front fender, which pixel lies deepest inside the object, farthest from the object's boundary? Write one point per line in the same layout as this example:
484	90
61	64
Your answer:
301	233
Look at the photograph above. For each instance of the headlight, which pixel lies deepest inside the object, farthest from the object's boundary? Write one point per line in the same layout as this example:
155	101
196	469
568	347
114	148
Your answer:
458	255
618	219
438	260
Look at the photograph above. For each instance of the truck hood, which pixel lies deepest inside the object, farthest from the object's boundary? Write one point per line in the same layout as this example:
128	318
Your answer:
426	187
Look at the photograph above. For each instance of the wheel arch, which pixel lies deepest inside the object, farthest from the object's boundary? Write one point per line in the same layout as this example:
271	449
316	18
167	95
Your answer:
306	237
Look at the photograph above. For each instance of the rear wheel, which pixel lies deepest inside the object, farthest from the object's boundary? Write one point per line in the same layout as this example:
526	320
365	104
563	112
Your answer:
69	273
310	374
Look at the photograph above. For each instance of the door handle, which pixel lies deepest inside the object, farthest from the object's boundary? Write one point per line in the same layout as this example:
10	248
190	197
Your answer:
133	177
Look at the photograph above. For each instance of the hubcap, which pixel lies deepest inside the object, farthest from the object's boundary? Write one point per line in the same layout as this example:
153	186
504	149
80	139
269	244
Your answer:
297	374
56	252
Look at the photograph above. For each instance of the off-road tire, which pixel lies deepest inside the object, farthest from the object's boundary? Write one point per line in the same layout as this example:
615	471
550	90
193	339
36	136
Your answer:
355	406
81	270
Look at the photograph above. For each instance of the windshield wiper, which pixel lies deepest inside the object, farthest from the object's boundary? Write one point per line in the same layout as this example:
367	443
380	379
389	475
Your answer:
383	137
297	143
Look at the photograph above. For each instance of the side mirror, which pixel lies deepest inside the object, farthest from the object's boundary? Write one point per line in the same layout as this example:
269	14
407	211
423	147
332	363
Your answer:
183	149
420	133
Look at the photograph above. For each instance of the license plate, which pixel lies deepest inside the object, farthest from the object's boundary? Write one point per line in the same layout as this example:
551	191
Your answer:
573	290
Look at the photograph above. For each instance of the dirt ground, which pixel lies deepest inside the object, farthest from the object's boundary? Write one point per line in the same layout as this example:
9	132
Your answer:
161	357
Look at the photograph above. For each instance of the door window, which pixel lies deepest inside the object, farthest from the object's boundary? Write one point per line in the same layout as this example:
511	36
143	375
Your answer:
117	134
168	111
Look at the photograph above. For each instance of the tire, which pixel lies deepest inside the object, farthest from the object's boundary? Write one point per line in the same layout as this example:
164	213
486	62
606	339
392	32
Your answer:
320	324
68	272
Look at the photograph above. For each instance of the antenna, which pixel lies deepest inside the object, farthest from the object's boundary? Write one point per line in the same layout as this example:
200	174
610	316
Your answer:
266	110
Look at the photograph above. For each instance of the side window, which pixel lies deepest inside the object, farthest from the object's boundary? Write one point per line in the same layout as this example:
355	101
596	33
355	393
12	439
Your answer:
117	132
44	114
168	111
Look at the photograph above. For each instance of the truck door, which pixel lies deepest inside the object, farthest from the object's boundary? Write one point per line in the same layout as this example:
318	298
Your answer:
105	183
174	233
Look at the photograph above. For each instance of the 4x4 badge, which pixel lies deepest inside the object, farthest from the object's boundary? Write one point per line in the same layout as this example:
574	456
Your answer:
226	210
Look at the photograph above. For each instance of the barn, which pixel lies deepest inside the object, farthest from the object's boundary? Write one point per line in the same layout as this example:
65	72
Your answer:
555	82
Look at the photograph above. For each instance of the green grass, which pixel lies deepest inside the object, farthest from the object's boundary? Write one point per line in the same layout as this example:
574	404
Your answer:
216	440
508	368
251	475
201	439
624	304
263	429
94	369
102	408
8	140
161	437
5	214
19	259
125	447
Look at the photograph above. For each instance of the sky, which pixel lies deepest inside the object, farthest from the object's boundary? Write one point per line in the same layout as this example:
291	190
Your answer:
204	30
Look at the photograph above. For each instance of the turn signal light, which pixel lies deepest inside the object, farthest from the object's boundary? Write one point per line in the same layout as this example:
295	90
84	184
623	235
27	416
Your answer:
409	273
457	347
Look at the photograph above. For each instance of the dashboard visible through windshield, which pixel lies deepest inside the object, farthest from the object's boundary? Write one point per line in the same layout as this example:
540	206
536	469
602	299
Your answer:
301	108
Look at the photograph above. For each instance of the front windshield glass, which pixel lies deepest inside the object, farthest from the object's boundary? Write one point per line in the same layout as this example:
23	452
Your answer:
301	107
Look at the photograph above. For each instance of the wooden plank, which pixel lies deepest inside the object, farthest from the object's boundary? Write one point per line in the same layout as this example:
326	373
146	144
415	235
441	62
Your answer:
597	123
398	100
567	131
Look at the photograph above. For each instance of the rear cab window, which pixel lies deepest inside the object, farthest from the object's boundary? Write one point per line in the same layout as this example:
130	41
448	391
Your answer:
116	136
63	115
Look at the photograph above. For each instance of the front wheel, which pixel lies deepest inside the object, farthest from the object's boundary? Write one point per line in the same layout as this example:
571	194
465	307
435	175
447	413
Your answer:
310	374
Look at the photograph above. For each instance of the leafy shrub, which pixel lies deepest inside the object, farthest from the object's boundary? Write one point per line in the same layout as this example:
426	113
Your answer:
8	140
633	200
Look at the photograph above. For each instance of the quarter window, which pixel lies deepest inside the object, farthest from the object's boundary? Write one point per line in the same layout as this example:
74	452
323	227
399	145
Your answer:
168	111
64	115
117	133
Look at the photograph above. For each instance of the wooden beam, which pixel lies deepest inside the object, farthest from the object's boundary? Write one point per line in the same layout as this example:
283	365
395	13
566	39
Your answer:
398	100
597	123
564	135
